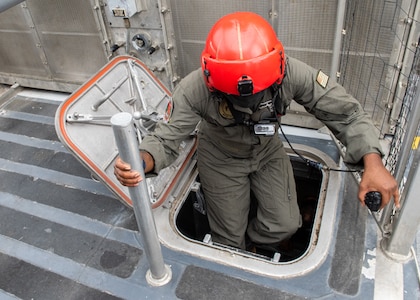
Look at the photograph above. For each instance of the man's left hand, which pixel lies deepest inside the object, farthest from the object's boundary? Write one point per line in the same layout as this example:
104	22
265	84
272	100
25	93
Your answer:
377	178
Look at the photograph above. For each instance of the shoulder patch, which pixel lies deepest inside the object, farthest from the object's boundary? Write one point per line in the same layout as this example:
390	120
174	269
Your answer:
322	79
224	110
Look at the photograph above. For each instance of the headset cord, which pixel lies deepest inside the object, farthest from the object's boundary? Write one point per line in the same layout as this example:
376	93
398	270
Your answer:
317	165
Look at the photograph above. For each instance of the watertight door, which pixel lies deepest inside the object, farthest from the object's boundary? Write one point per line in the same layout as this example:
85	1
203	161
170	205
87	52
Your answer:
83	123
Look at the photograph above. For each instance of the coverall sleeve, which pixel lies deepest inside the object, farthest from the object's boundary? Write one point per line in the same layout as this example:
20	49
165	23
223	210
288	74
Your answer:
338	110
163	144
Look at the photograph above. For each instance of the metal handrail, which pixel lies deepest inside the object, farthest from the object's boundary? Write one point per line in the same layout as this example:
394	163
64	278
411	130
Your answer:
159	274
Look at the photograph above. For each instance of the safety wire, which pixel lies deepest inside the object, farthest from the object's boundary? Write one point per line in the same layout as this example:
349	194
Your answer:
320	167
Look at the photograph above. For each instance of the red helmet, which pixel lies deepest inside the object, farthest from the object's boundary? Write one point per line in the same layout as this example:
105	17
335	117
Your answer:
242	55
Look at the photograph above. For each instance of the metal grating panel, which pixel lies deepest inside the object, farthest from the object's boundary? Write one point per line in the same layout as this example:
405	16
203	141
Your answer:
375	39
192	22
305	28
50	44
18	54
406	110
70	38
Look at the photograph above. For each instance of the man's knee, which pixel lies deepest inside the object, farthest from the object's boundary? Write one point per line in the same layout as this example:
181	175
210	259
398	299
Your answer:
263	233
293	226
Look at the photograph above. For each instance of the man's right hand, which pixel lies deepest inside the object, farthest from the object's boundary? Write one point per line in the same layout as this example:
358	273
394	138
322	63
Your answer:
125	175
128	177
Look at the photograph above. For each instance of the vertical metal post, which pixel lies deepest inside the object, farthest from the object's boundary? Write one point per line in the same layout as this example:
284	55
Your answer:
335	61
159	274
406	222
413	123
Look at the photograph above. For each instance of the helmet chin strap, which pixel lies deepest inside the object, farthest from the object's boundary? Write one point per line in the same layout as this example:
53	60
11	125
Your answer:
245	110
250	101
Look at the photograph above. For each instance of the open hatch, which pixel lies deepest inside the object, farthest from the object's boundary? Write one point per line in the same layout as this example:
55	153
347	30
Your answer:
125	84
191	220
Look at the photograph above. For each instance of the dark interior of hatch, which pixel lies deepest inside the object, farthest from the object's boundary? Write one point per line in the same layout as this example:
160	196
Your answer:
193	224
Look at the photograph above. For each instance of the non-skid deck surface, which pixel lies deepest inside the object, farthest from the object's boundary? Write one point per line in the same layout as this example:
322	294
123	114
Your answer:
65	236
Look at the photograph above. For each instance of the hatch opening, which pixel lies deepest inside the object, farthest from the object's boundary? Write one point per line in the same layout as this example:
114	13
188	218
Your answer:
193	224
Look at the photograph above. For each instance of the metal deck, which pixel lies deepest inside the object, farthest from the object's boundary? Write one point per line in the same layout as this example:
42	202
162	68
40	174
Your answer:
63	235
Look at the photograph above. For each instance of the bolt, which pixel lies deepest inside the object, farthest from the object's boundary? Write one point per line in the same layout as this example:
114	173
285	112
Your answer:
408	21
175	79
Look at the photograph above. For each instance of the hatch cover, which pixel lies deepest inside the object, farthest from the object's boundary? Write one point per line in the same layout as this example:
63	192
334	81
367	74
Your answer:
83	123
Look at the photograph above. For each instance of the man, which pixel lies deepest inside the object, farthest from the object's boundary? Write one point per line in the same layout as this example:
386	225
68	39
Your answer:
244	84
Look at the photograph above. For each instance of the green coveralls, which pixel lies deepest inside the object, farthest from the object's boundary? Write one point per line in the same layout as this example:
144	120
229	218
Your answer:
232	160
